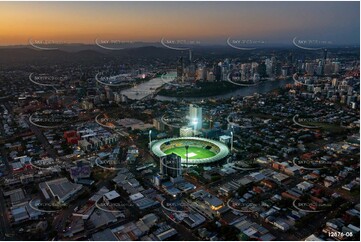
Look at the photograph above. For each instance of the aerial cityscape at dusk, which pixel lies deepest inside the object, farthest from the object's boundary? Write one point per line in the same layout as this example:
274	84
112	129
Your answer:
180	121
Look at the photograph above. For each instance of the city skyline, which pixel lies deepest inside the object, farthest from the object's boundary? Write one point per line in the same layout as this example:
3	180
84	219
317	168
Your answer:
206	22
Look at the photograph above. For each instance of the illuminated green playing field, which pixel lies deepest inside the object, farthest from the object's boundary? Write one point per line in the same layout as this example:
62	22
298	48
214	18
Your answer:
193	152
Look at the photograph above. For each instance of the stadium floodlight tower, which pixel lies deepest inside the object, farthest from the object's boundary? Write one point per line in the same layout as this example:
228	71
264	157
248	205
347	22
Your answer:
187	146
150	137
231	141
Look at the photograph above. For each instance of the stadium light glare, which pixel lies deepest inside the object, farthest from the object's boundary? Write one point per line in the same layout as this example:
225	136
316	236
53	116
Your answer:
150	137
195	122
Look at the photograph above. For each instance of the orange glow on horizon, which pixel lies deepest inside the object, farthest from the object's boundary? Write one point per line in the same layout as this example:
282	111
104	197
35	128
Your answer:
83	22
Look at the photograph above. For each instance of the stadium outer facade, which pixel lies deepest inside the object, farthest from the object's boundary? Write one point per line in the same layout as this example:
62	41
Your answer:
221	154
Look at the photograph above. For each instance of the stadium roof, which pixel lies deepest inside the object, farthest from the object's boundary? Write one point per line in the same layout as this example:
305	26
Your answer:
223	149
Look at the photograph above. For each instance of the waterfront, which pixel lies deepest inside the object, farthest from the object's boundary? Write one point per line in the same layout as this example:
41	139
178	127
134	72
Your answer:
147	88
144	89
263	87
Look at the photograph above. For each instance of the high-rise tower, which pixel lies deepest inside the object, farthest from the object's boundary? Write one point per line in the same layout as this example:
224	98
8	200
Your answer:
195	116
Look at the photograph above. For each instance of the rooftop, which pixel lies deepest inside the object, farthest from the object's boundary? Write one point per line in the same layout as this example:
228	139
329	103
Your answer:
62	187
104	235
111	195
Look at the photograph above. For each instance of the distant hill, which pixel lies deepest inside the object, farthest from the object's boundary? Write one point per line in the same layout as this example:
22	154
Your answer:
30	55
13	56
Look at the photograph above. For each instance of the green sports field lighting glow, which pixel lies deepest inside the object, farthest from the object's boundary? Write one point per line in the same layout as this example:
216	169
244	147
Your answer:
200	150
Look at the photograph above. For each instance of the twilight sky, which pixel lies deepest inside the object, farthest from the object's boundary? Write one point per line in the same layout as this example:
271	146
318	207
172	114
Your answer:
211	22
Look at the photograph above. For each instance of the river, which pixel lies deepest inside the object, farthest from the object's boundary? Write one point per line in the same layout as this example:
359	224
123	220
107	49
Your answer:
147	88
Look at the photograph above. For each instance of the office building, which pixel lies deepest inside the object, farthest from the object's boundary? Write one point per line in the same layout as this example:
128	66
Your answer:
171	166
186	131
